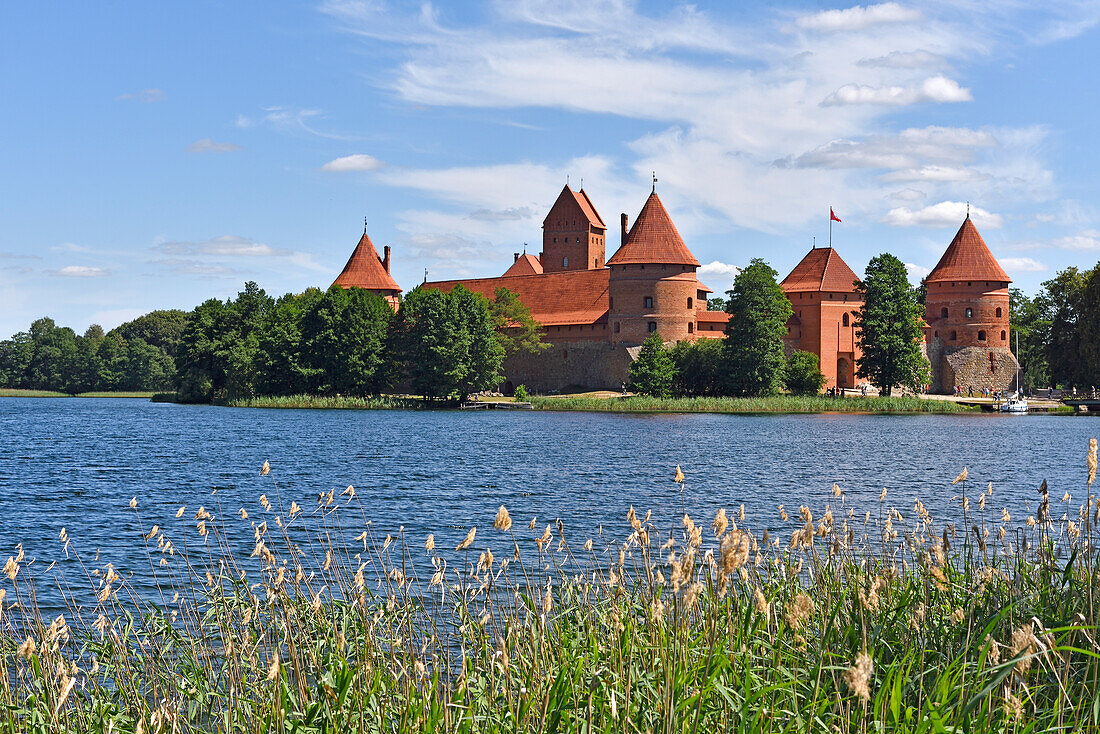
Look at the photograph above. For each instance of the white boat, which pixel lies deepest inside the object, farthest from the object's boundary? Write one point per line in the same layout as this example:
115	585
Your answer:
1016	402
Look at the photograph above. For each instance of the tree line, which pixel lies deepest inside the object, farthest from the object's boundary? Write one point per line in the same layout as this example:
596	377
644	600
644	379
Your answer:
751	360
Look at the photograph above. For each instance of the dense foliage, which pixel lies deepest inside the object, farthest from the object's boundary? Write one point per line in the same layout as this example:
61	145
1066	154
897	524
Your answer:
654	371
758	310
889	328
132	357
802	375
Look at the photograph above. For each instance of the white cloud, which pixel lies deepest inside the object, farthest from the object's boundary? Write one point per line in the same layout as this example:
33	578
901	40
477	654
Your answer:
206	145
1021	264
354	162
145	95
81	271
933	174
859	17
225	246
293	120
908	195
943	214
933	89
1088	240
718	275
916	272
905	60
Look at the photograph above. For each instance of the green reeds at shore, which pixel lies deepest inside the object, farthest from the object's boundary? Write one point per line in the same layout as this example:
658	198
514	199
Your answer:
844	619
775	404
377	402
8	392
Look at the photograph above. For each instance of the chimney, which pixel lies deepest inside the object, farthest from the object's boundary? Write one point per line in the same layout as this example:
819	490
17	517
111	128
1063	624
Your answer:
624	231
515	257
386	259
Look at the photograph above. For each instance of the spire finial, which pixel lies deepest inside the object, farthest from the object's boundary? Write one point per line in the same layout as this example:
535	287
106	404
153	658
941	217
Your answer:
425	275
968	210
582	183
364	225
654	182
524	248
567	179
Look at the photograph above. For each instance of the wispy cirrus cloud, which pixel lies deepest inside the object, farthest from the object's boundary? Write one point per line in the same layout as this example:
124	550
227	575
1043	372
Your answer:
943	214
859	17
207	145
1021	264
354	162
81	271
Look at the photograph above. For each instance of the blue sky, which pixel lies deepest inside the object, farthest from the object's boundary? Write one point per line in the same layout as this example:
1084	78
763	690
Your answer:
158	154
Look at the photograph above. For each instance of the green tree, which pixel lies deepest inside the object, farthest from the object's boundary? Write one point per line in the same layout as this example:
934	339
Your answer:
162	329
1061	302
344	336
653	372
759	309
716	303
199	374
1031	328
803	374
698	367
1088	330
282	362
888	328
516	330
54	360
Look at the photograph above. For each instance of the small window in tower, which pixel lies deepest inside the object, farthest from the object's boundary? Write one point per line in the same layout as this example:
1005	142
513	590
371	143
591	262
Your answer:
610	302
691	328
652	326
943	313
954	336
555	240
578	240
968	283
691	303
565	262
616	327
981	336
649	301
642	267
845	320
664	267
969	313
595	262
1004	336
998	312
936	334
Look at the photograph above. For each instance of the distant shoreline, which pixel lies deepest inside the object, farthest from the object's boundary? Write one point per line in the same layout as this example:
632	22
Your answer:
8	392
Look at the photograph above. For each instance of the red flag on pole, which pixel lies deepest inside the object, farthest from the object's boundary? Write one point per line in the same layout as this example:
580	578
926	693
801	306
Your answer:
832	215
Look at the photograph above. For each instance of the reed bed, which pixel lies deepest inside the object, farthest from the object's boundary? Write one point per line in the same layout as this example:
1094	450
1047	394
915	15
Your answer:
774	404
843	619
14	392
349	402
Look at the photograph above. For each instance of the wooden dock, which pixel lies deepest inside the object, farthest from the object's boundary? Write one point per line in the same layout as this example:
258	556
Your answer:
494	405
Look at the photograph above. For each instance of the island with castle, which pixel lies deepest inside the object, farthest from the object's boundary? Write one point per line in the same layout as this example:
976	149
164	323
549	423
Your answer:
595	311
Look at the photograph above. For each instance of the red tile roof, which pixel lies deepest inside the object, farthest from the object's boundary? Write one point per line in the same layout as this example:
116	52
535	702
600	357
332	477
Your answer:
581	200
364	270
821	270
525	265
653	239
967	258
719	317
555	299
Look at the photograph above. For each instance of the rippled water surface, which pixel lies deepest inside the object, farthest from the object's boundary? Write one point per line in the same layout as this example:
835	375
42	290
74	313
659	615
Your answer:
75	463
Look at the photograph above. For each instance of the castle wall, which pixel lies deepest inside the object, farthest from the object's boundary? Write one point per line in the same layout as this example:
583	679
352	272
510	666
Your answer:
976	367
988	304
822	331
573	365
674	291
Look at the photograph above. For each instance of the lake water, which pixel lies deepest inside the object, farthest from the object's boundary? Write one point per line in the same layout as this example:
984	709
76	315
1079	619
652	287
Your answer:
76	463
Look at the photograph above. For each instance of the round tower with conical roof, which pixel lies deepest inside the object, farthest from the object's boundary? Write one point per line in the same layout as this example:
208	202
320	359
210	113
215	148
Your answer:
652	283
366	270
966	311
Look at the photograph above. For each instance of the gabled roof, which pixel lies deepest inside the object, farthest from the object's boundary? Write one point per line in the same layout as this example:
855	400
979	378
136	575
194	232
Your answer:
821	270
575	200
967	258
364	270
653	239
565	298
525	265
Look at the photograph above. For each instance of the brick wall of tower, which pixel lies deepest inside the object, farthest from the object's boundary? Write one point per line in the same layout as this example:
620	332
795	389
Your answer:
822	331
988	304
673	289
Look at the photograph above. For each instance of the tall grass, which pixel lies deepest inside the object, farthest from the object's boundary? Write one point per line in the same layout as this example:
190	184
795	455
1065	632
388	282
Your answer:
847	619
377	402
775	404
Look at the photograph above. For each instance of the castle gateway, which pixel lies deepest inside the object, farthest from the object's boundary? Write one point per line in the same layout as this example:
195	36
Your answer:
595	311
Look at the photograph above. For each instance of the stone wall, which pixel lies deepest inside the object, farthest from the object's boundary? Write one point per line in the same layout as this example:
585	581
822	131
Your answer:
971	367
576	365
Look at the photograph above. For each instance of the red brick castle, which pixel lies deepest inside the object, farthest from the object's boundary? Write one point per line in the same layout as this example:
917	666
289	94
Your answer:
596	311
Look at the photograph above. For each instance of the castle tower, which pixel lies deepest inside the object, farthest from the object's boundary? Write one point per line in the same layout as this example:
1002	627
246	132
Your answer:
572	234
966	309
822	291
652	283
366	270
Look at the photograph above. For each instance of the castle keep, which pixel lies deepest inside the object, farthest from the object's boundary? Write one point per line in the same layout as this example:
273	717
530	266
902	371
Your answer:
596	311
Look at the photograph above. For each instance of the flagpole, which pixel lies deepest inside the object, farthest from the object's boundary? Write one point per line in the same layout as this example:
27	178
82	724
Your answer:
830	227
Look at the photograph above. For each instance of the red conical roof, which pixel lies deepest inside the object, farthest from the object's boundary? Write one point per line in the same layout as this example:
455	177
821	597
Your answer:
967	258
653	239
524	265
364	270
821	270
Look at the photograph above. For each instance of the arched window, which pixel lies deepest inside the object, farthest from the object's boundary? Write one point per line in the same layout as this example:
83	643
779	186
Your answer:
649	301
954	336
999	314
981	336
565	262
691	303
845	318
1004	335
691	328
935	333
652	326
943	313
616	327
